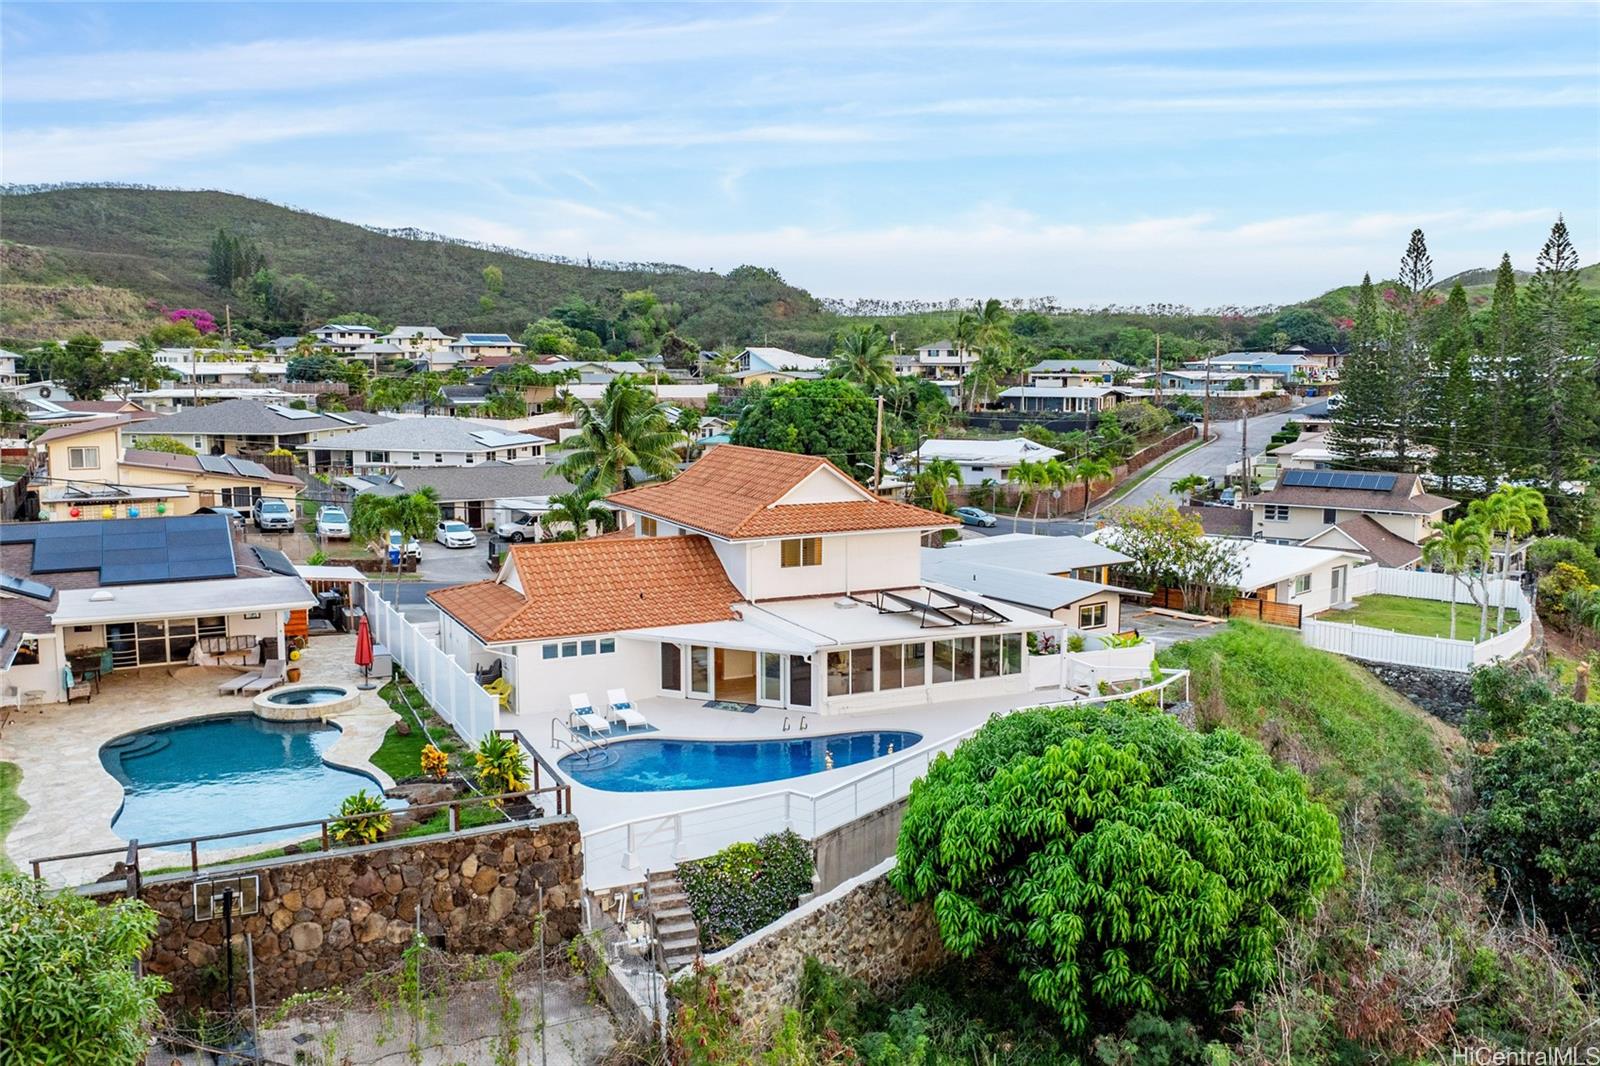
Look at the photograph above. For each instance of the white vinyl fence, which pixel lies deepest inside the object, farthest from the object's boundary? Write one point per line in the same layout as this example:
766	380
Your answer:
453	692
1434	653
618	854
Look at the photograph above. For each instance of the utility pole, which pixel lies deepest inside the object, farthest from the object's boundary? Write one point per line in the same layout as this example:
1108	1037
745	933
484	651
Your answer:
1244	454
1205	430
1158	368
877	450
227	316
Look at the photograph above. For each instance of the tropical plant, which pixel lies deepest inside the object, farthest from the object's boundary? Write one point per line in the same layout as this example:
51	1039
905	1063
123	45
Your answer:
933	482
317	558
746	886
627	428
688	424
1457	548
1516	511
572	512
830	417
72	990
1026	475
1089	470
1169	549
862	355
1056	476
1121	640
1076	642
435	763
164	443
363	819
1116	859
1189	485
502	766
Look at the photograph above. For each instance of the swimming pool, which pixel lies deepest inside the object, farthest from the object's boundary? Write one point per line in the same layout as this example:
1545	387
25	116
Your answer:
652	765
219	775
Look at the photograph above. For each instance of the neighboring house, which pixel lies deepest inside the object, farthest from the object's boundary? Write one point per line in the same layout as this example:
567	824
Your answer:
245	426
489	493
1290	363
1317	417
134	595
1223	382
943	360
981	460
691	395
376	352
415	441
1066	373
1063	577
1064	399
214	368
779	360
478	346
605	368
8	368
754	577
415	340
176	398
1221	521
106	408
343	337
89	476
1306	502
1313	451
765	376
283	347
1364	535
1313	579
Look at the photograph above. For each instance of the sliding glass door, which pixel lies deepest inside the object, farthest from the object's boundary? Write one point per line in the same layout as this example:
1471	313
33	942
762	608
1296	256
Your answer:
770	677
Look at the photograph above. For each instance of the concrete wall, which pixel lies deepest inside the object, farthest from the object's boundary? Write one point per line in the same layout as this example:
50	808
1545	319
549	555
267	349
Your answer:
854	561
852	849
328	919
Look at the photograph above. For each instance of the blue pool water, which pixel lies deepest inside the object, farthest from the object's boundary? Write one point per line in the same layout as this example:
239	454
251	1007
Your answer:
220	775
672	765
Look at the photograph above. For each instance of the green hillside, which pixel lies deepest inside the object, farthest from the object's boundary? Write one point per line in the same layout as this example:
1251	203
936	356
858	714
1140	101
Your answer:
94	257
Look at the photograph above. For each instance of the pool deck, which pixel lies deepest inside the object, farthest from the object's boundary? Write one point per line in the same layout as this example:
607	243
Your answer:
72	799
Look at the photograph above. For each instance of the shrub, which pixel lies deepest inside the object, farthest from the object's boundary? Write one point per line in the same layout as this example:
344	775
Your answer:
317	558
502	767
1119	861
435	763
1544	554
1554	588
361	830
746	886
70	992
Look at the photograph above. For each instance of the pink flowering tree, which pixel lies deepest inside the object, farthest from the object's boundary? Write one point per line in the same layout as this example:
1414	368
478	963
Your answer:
201	319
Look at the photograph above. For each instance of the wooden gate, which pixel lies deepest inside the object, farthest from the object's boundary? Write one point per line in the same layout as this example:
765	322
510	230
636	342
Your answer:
1268	611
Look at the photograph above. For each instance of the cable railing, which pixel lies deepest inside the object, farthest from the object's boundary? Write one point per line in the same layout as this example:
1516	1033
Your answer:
615	854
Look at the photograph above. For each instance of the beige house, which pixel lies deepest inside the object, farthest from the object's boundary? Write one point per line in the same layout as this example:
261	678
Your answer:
1074	373
89	475
1307	502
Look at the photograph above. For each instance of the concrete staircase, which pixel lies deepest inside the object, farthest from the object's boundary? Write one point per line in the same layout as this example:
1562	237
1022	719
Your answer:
675	924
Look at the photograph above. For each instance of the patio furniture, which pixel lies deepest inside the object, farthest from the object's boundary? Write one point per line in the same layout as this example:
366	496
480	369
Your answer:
271	677
501	689
583	714
485	674
621	709
235	684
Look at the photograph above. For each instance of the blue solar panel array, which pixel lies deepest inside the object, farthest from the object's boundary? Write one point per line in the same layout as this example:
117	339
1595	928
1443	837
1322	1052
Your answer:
1339	479
130	551
274	560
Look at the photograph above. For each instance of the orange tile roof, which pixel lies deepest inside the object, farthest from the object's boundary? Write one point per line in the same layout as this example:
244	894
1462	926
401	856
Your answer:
733	492
597	585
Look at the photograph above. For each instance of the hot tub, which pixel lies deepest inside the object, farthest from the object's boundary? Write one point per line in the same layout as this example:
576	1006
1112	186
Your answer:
307	702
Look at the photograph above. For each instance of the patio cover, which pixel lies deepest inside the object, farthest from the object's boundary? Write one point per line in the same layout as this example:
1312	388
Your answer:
180	599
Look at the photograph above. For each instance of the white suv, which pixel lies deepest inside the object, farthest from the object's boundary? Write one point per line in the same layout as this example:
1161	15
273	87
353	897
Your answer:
270	512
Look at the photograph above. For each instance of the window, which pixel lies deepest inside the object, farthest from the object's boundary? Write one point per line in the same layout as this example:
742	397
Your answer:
647	527
213	627
955	660
587	647
671	667
850	671
569	649
889	675
1302	584
1092	616
377	457
492	456
607	646
438	457
1277	512
861	670
806	551
989	656
83	458
240	497
943	662
799	681
966	658
551	651
902	665
416	457
1330	515
1011	653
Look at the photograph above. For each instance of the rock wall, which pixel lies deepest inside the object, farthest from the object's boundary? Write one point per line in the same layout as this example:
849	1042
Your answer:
863	928
1445	694
327	919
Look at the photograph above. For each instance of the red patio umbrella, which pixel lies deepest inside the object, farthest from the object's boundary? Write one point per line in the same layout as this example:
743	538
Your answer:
364	652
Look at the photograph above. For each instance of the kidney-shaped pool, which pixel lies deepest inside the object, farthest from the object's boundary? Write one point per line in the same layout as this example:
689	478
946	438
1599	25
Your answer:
656	765
221	775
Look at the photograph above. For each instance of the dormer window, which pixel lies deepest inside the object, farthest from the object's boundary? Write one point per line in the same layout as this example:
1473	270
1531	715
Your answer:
802	551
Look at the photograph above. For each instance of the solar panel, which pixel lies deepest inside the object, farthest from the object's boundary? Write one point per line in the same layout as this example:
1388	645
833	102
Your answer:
23	587
248	468
276	561
1340	479
131	551
215	464
291	412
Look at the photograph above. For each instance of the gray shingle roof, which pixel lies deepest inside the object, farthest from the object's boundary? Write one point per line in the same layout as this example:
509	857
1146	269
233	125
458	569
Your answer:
1078	366
489	481
431	434
246	417
1406	497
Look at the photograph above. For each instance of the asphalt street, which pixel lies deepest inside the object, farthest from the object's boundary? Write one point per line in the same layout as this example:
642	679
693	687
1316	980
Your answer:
1208	460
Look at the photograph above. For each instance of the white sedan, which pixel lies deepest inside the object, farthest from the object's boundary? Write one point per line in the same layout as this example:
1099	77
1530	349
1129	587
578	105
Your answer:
454	534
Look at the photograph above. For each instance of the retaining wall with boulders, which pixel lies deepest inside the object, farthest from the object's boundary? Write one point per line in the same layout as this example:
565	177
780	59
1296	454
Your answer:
329	918
863	928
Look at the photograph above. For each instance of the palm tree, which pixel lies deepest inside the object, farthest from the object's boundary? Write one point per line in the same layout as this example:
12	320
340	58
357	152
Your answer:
1089	470
626	427
1024	476
1515	510
577	509
862	356
1074	442
1056	475
688	424
1458	547
935	479
1188	486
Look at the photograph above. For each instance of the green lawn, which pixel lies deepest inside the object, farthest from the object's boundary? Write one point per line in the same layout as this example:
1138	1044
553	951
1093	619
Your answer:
12	807
401	756
1424	618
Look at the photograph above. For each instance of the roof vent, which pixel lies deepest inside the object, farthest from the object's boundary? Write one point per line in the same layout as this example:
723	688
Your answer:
844	603
101	596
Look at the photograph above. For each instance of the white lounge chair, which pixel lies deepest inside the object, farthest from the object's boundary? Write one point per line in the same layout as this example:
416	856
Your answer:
235	684
621	709
583	714
271	676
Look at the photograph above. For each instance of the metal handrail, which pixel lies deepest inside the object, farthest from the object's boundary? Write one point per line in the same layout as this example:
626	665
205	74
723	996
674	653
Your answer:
561	789
133	848
574	743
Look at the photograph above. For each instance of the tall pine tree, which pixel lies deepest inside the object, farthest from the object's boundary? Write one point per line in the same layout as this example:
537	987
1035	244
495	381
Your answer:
1496	414
1409	357
1560	364
1361	419
1450	390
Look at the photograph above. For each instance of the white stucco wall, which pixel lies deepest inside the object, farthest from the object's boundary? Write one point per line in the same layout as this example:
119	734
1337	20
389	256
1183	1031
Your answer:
854	562
542	685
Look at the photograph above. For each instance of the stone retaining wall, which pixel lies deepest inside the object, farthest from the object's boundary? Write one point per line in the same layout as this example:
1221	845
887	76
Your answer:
327	919
863	928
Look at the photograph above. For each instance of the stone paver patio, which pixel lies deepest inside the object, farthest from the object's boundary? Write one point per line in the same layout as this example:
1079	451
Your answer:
72	799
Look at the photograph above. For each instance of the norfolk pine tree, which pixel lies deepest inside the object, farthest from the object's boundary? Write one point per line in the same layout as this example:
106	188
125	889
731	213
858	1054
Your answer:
1496	414
1561	398
1408	350
1450	390
1361	423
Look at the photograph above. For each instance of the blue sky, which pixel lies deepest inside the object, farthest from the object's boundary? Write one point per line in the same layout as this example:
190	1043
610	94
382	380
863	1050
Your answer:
1203	154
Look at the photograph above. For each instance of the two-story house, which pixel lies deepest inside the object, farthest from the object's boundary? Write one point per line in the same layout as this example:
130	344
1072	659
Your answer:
219	368
483	345
344	337
1387	515
944	361
422	442
1066	373
752	578
247	427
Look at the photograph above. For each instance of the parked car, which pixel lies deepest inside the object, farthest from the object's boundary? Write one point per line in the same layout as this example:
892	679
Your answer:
975	516
333	523
523	526
270	513
408	546
454	534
